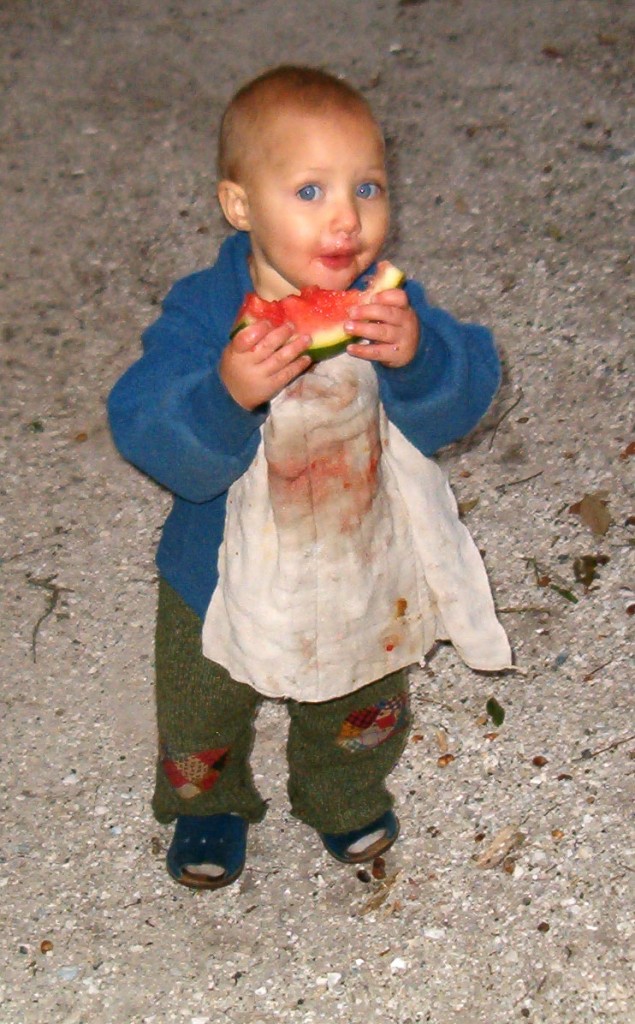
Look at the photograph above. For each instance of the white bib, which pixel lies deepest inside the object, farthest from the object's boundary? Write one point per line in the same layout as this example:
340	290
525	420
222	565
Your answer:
343	557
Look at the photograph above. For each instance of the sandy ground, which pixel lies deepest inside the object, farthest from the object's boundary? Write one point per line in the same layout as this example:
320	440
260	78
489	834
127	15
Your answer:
509	896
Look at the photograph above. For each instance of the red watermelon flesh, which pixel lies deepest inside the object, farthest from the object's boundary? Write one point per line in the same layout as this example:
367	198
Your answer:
318	312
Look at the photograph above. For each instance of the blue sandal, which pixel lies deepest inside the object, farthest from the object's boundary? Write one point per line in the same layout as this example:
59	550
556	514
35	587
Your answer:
216	839
338	843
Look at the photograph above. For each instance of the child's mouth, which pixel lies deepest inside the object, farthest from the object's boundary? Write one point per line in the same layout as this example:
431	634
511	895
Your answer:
337	260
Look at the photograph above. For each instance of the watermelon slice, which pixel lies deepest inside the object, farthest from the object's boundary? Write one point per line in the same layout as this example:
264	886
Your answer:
318	312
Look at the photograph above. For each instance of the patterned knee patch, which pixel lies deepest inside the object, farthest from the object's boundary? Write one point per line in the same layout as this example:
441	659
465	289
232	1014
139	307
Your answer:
371	726
192	774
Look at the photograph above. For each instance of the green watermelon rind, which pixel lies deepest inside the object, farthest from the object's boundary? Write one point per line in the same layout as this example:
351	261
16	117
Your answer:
321	348
240	325
334	340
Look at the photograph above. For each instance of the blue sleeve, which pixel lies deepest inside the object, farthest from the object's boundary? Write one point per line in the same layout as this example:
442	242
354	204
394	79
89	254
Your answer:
447	388
170	413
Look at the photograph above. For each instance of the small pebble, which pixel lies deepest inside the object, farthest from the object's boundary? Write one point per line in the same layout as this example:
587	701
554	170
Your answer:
379	868
445	760
363	875
68	973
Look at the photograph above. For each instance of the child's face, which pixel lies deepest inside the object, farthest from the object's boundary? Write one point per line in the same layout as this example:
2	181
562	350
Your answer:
315	202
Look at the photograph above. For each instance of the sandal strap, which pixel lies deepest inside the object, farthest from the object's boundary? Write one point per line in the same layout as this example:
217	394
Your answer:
219	839
337	843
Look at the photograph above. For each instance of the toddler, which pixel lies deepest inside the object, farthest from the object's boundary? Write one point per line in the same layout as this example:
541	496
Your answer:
313	551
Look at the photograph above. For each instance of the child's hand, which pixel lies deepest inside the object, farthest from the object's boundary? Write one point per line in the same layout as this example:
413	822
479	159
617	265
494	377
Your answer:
390	324
260	361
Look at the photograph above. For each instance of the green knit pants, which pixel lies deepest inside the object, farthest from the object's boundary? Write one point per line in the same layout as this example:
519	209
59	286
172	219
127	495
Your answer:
339	751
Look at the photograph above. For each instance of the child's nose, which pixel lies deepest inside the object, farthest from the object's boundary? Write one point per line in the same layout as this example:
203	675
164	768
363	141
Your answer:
346	217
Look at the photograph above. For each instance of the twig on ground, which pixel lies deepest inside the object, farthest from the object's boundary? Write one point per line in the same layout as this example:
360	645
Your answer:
513	483
520	609
602	750
589	676
53	595
504	416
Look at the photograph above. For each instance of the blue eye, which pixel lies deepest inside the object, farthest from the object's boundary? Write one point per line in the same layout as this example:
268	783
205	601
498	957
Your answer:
309	193
367	190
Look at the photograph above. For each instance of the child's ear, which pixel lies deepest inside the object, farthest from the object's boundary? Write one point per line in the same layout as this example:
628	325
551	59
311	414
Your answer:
233	200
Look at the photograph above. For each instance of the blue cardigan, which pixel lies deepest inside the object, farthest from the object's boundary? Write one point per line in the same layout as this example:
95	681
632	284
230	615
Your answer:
172	417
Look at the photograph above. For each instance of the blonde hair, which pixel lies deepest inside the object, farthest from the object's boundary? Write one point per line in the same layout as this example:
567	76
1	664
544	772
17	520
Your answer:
303	89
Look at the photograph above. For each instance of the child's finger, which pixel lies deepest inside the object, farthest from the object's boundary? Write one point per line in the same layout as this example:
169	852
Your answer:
248	337
375	312
395	297
280	377
272	340
283	354
374	331
375	353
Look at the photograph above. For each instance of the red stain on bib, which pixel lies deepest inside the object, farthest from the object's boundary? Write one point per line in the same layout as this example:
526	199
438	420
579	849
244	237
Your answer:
339	478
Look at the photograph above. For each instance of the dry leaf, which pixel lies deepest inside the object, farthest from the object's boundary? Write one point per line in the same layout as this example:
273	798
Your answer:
553	231
585	566
380	897
467	506
375	901
553	52
593	512
508	839
442	741
628	451
445	760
